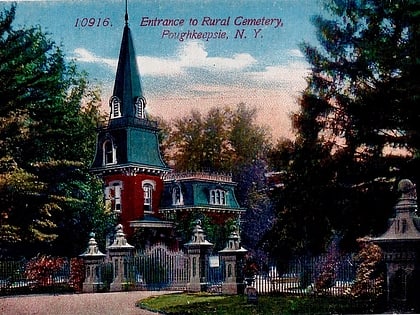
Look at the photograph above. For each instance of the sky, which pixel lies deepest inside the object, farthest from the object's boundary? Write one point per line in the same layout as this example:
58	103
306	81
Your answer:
212	53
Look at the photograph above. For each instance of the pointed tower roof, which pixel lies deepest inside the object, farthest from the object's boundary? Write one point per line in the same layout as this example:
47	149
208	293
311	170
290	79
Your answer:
130	140
127	86
127	101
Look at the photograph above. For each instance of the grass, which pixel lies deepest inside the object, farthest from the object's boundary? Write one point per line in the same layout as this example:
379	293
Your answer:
202	304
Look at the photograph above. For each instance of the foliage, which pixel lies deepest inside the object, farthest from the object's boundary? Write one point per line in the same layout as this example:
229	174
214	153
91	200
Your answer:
221	141
267	304
356	133
41	269
250	267
327	277
48	118
215	230
77	274
225	140
369	277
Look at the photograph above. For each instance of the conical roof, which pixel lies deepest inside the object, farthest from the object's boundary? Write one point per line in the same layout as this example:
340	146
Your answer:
127	85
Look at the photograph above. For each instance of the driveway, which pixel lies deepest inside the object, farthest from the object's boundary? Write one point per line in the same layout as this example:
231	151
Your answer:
117	303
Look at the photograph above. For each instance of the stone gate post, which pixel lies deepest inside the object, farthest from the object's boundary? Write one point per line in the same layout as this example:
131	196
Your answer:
92	259
198	250
401	247
232	254
120	254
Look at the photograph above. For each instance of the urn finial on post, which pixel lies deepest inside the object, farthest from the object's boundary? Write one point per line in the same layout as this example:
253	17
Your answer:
198	251
92	258
120	253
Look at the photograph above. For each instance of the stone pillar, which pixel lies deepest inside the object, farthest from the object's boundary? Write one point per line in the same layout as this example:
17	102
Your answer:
232	256
401	247
120	254
198	251
92	259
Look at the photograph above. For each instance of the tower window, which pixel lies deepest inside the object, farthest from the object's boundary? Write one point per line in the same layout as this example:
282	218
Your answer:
140	106
217	197
148	188
113	196
115	104
109	153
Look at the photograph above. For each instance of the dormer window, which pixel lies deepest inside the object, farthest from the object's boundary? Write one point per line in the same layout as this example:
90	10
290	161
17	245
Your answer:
115	105
177	197
217	197
113	196
140	106
109	152
148	187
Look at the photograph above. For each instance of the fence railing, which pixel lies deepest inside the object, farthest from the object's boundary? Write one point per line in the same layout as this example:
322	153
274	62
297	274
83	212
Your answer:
15	279
308	275
159	268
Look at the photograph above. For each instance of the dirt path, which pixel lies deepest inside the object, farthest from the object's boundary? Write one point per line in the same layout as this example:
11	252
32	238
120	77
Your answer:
118	303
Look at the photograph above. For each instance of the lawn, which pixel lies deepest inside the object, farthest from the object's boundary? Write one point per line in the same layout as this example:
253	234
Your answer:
201	303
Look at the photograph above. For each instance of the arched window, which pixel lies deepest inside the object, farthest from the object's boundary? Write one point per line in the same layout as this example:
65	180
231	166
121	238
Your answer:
217	197
140	106
109	153
113	196
115	105
177	197
148	187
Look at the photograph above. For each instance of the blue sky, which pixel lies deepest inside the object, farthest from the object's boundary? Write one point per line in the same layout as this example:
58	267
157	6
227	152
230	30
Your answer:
263	68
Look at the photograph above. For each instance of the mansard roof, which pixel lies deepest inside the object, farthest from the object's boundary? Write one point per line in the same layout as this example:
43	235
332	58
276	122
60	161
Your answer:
196	189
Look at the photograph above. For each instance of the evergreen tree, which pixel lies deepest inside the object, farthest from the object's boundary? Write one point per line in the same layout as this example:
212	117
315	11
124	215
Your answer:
48	117
360	107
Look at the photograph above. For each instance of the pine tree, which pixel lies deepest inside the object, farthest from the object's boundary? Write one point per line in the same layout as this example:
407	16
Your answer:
360	109
48	116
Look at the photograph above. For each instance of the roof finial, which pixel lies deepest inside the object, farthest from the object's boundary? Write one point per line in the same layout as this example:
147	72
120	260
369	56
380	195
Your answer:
126	12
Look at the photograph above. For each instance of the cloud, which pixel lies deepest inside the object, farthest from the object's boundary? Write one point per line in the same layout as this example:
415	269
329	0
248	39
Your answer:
291	75
153	66
191	55
295	53
84	55
194	55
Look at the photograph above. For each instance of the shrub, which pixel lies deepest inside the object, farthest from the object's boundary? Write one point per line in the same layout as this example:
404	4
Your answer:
328	268
369	278
42	268
77	274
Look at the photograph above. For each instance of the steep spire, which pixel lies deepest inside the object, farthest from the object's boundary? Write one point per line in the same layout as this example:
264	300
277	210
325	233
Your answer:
126	12
127	100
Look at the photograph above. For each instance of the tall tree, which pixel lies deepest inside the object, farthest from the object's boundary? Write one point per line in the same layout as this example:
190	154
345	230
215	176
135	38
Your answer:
48	118
360	107
226	140
220	141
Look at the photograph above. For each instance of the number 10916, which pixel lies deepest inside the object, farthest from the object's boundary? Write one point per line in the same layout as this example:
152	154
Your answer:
92	22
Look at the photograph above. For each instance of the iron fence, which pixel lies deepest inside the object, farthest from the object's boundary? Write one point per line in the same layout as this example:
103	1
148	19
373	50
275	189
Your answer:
307	275
15	280
159	268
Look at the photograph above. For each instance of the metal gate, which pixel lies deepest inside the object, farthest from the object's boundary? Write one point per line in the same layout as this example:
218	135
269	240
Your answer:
160	268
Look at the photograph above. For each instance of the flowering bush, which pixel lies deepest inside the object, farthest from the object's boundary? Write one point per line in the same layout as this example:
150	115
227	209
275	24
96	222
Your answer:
326	278
369	280
77	274
328	268
41	269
